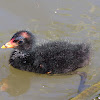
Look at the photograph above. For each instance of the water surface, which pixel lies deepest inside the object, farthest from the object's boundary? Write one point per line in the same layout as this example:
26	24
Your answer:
70	20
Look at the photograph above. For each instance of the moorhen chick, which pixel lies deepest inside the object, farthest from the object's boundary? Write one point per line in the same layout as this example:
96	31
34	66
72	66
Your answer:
51	58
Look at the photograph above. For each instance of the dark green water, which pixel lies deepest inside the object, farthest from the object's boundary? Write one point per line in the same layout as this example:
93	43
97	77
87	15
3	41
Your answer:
72	20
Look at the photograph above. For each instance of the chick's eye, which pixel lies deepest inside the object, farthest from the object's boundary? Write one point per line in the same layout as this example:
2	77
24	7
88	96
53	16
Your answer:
20	42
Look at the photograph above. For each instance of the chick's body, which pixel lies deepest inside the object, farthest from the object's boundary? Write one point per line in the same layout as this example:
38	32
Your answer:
54	57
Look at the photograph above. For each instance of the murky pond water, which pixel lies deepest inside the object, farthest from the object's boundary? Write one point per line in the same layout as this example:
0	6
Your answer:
72	20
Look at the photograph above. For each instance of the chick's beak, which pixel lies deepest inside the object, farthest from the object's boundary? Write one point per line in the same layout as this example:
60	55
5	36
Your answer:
3	47
9	44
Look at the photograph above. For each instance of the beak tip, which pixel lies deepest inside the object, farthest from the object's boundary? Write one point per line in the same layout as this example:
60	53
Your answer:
3	47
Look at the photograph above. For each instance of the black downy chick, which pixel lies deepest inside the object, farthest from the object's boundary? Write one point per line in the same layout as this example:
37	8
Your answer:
51	58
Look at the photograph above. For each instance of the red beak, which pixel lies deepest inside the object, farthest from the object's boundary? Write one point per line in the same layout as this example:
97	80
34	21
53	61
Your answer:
9	44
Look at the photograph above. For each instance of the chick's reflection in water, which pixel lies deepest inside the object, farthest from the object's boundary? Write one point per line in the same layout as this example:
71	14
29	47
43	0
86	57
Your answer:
17	83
